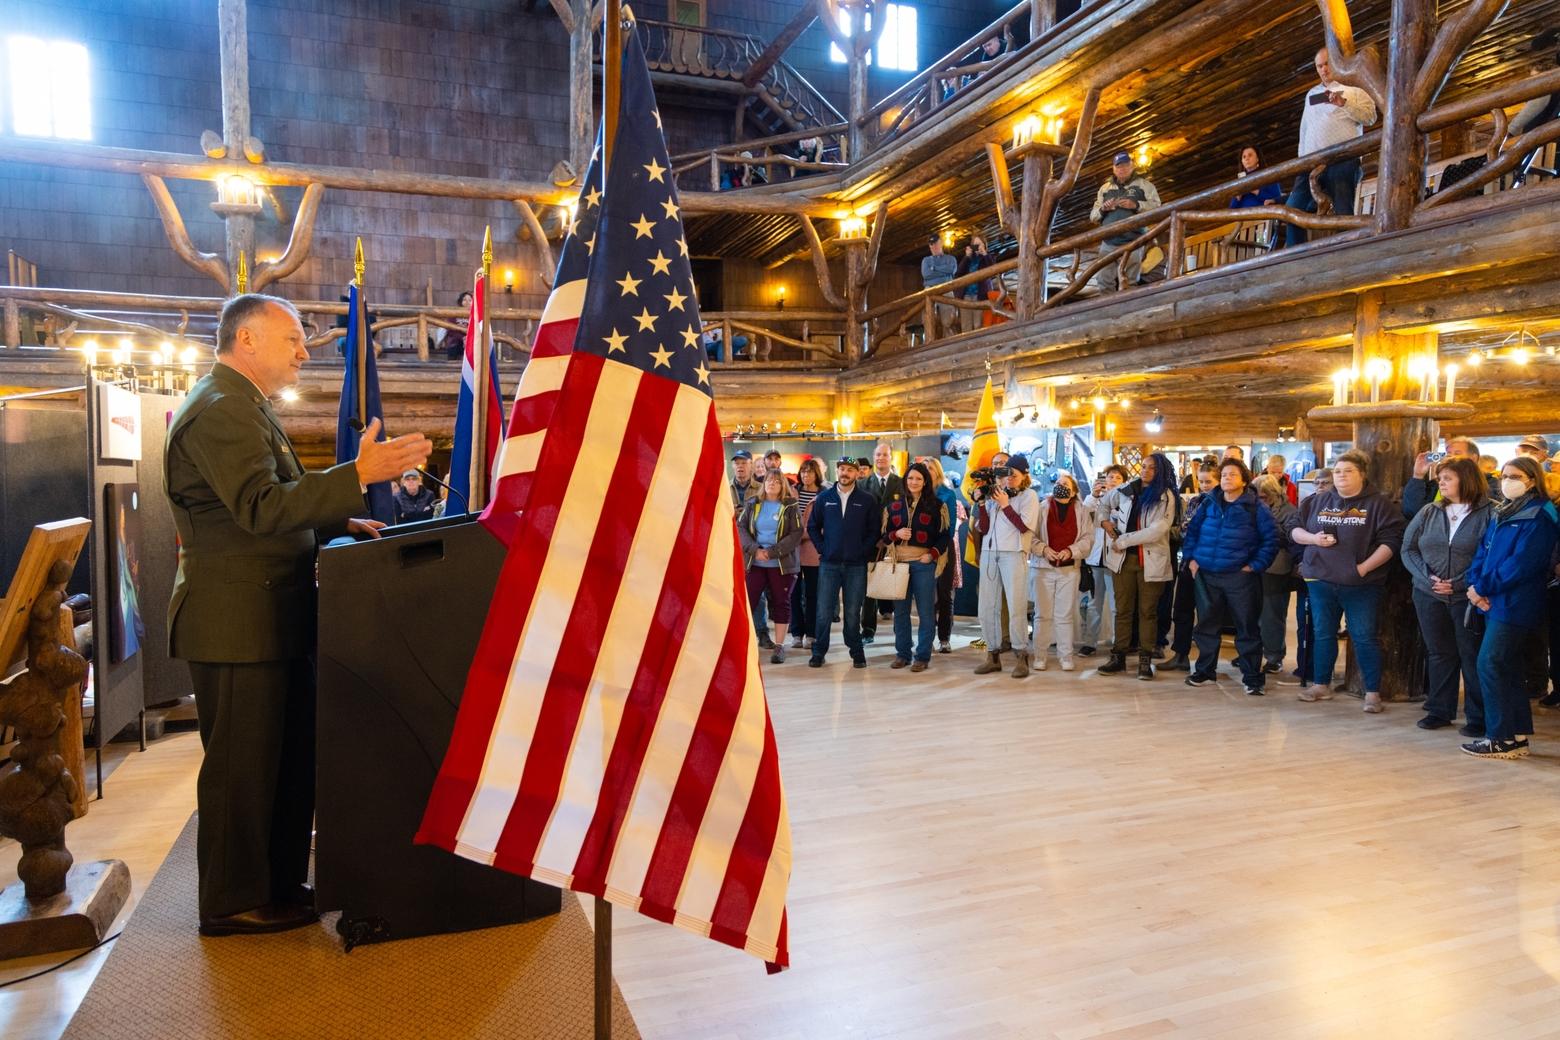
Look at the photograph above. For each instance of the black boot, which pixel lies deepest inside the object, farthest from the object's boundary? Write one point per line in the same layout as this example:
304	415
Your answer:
1178	663
1145	666
1117	663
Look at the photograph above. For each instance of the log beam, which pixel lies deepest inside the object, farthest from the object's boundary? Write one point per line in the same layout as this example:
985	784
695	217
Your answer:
209	264
780	44
299	242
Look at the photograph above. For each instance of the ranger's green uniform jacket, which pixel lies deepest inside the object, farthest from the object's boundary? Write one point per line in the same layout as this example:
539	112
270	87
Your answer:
250	521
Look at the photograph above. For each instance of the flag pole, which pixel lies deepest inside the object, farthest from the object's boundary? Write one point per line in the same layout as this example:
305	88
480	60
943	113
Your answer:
360	348
612	85
477	485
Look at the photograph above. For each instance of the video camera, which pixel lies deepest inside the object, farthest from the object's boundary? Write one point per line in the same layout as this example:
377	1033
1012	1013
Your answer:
985	480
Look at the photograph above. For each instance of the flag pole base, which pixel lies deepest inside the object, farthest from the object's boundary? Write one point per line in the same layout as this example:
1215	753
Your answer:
603	969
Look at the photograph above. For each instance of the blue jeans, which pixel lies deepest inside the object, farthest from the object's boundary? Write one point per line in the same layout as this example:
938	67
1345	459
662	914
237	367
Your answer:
1339	180
832	578
1361	606
1505	665
923	589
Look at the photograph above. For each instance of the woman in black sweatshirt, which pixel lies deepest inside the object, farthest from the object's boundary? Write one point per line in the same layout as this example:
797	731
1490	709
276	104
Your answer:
1350	533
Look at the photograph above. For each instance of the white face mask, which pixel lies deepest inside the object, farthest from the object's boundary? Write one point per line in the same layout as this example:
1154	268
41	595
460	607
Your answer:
1512	488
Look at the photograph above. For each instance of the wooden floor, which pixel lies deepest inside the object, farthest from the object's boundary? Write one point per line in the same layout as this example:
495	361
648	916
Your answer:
1075	855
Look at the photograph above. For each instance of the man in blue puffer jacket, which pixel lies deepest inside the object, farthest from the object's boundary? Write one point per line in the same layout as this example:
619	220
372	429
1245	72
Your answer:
1230	540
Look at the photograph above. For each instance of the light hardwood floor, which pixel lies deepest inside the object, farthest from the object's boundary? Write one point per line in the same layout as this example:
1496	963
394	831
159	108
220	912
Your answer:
1075	855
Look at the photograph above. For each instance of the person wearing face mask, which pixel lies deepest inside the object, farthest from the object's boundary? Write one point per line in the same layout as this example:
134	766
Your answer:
1350	533
1063	537
1437	550
1138	554
1506	583
1099	618
1230	541
1006	520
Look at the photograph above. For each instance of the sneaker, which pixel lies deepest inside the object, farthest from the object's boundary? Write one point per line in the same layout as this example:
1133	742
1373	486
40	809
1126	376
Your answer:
807	643
1253	691
796	642
1497	748
1310	692
867	640
1086	651
945	647
900	662
1272	667
1199	679
1431	722
919	666
1039	663
1470	730
1373	705
778	657
815	662
1067	665
979	644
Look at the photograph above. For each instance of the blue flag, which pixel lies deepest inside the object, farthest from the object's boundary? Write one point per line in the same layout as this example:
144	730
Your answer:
360	399
471	465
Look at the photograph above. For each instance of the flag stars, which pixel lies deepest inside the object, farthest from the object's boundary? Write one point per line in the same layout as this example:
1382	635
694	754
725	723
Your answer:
590	245
663	357
629	284
660	263
646	320
671	209
615	342
657	113
656	171
682	245
703	374
592	198
691	338
642	227
674	300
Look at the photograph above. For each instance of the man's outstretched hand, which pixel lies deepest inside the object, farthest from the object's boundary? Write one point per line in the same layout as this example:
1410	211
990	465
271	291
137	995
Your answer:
379	461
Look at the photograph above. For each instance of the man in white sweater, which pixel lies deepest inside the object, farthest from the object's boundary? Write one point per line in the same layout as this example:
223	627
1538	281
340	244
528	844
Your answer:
1333	114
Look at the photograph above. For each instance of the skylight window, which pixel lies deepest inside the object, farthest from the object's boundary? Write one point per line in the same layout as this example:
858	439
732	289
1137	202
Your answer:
50	92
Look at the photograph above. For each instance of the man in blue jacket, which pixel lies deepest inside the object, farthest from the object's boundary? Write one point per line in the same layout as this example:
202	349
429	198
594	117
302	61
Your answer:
844	525
1230	540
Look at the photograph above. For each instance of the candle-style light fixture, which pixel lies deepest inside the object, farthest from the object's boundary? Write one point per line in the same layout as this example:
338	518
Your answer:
237	195
780	297
853	227
1451	383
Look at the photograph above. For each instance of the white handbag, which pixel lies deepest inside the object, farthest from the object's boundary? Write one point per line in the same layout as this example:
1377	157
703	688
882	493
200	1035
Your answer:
888	579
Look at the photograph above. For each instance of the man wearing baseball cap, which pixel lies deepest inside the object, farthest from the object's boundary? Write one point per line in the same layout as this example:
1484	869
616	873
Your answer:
1536	447
1124	195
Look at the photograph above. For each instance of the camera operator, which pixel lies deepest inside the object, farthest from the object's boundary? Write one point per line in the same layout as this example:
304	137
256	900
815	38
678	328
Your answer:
1006	517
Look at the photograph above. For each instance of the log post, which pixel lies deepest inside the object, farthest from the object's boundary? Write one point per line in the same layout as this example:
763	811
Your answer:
1400	184
1032	234
856	43
13	323
582	121
233	51
1042	17
856	278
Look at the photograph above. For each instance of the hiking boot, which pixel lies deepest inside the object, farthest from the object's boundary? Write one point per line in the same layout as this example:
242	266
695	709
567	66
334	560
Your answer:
992	663
900	662
1117	663
1020	664
919	666
778	657
1145	667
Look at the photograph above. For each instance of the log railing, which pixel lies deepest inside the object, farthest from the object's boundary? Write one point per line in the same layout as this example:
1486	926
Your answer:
943	80
63	315
763	155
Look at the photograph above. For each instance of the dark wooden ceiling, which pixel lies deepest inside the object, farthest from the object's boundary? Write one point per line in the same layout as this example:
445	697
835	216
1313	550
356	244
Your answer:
1242	87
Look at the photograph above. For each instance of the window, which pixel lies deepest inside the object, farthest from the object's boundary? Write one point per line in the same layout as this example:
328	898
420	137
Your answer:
896	47
49	88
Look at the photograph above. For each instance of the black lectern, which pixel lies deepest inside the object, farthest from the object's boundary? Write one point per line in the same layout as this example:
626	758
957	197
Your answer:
400	617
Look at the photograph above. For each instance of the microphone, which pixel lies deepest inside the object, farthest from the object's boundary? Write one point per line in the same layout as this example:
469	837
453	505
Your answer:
464	508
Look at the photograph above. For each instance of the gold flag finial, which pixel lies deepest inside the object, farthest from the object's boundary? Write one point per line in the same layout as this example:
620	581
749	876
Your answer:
243	272
487	252
357	263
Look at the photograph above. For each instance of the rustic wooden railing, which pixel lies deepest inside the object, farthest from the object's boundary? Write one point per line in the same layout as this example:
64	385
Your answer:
763	155
943	80
66	317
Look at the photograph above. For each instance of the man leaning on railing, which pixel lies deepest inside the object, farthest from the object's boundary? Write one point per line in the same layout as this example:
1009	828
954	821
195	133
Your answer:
1333	115
1124	195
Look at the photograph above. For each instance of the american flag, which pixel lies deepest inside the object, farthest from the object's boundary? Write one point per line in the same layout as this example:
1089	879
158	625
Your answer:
470	466
613	737
537	394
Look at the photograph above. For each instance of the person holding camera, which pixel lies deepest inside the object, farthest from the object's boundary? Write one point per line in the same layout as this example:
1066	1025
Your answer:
1141	513
1006	516
1063	536
975	258
1230	541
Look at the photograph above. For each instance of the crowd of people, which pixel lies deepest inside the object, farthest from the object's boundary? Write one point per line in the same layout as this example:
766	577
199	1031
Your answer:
1146	569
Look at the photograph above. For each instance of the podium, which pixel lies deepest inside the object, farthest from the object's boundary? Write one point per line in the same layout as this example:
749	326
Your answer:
400	617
